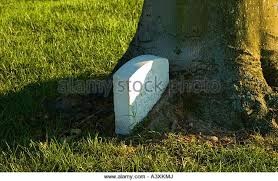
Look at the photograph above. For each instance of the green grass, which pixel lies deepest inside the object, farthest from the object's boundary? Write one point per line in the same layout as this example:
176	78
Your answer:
43	41
173	153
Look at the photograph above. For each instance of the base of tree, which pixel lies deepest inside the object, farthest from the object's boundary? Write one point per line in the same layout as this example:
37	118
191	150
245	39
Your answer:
232	44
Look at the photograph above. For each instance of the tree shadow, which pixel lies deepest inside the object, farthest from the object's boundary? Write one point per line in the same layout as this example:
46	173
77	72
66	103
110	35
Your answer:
57	109
64	110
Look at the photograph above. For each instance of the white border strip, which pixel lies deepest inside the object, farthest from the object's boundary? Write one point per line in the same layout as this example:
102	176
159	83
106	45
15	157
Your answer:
121	176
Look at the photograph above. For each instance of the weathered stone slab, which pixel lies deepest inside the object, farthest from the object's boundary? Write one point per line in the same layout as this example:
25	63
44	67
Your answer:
137	87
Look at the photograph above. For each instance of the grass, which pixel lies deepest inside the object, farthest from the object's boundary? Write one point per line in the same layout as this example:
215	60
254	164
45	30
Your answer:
44	41
174	153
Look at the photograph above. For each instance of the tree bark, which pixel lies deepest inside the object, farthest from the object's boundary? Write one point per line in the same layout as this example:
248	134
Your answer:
233	42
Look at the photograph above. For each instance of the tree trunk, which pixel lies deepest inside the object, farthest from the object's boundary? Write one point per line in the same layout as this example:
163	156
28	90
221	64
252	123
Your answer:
229	43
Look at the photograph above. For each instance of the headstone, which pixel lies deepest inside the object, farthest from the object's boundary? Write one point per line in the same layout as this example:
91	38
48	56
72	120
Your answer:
137	87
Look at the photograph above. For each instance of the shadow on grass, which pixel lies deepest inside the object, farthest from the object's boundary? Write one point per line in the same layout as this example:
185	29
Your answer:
39	112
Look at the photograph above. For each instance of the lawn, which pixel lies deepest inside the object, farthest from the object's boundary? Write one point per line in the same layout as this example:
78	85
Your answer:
45	41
